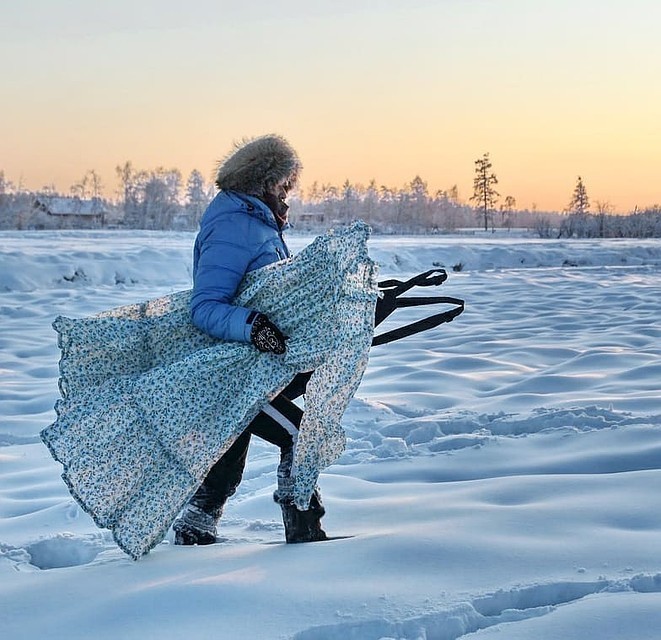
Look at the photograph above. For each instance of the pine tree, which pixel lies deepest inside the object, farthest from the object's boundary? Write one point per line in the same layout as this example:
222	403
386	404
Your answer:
579	203
483	192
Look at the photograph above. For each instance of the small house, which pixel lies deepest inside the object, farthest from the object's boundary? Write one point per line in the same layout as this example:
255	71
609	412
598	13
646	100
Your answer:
60	212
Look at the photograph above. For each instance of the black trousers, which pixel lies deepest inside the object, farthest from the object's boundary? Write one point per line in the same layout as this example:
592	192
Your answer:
278	424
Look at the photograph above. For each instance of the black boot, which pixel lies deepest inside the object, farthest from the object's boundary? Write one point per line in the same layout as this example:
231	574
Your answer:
195	526
197	523
303	526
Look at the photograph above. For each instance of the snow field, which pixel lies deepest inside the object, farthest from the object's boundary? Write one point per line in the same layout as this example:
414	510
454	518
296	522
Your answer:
501	476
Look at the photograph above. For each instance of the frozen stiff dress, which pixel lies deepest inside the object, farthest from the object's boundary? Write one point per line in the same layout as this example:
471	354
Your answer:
149	403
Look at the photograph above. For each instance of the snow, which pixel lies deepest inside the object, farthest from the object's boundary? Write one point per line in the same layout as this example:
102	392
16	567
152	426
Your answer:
502	476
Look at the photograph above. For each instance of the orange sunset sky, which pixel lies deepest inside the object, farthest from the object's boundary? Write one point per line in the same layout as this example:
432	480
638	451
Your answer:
383	89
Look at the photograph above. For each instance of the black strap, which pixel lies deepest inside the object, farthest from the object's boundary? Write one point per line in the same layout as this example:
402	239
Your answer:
392	289
391	300
421	325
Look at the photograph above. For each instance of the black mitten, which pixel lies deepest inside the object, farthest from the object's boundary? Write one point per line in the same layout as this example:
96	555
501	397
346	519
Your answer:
266	336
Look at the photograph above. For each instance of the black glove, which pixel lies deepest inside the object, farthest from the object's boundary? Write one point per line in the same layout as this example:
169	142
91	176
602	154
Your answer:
265	335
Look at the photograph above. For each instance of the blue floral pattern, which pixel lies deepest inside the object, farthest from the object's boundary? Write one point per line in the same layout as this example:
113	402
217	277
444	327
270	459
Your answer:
149	403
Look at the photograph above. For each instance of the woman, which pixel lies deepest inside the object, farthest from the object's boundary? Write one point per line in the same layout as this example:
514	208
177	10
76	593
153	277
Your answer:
157	408
241	231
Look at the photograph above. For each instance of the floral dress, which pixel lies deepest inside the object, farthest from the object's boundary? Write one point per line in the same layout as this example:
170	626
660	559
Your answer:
149	403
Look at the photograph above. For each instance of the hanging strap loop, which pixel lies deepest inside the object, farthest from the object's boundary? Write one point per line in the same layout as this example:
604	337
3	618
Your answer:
385	305
391	300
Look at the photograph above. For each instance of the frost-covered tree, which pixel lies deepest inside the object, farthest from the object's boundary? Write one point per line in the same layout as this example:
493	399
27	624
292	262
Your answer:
128	194
160	197
150	199
484	194
314	194
79	189
196	189
89	186
196	196
47	190
95	184
418	189
371	200
419	201
507	212
5	217
348	201
4	184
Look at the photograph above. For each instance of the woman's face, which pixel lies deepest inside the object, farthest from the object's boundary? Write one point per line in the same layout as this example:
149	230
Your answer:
275	199
281	189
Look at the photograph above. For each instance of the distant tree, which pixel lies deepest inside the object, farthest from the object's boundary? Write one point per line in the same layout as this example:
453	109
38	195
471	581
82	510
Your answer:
386	194
128	194
126	177
387	207
418	189
371	200
79	189
604	214
196	196
604	208
95	184
419	204
483	192
577	222
403	208
348	201
89	186
160	198
543	226
329	202
507	211
444	210
314	194
151	199
48	190
579	203
5	217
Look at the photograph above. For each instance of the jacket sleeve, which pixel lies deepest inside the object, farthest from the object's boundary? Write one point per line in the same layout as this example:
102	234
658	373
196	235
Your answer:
222	261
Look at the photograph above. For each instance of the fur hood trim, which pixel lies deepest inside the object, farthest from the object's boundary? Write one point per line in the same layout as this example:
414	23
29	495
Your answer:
255	164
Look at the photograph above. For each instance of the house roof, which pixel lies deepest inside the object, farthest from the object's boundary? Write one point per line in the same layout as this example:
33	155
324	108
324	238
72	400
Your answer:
63	206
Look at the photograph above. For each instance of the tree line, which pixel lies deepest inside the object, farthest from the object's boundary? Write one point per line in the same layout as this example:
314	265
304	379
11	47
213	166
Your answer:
160	199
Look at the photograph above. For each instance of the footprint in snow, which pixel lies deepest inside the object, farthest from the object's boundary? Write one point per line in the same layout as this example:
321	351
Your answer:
63	550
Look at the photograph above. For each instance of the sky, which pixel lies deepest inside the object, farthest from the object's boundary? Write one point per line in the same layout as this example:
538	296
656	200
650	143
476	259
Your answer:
381	89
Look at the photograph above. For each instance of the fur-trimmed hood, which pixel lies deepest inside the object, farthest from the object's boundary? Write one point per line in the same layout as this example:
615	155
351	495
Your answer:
256	164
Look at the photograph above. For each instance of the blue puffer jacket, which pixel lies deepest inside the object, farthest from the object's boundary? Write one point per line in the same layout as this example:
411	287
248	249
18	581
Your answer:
238	233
